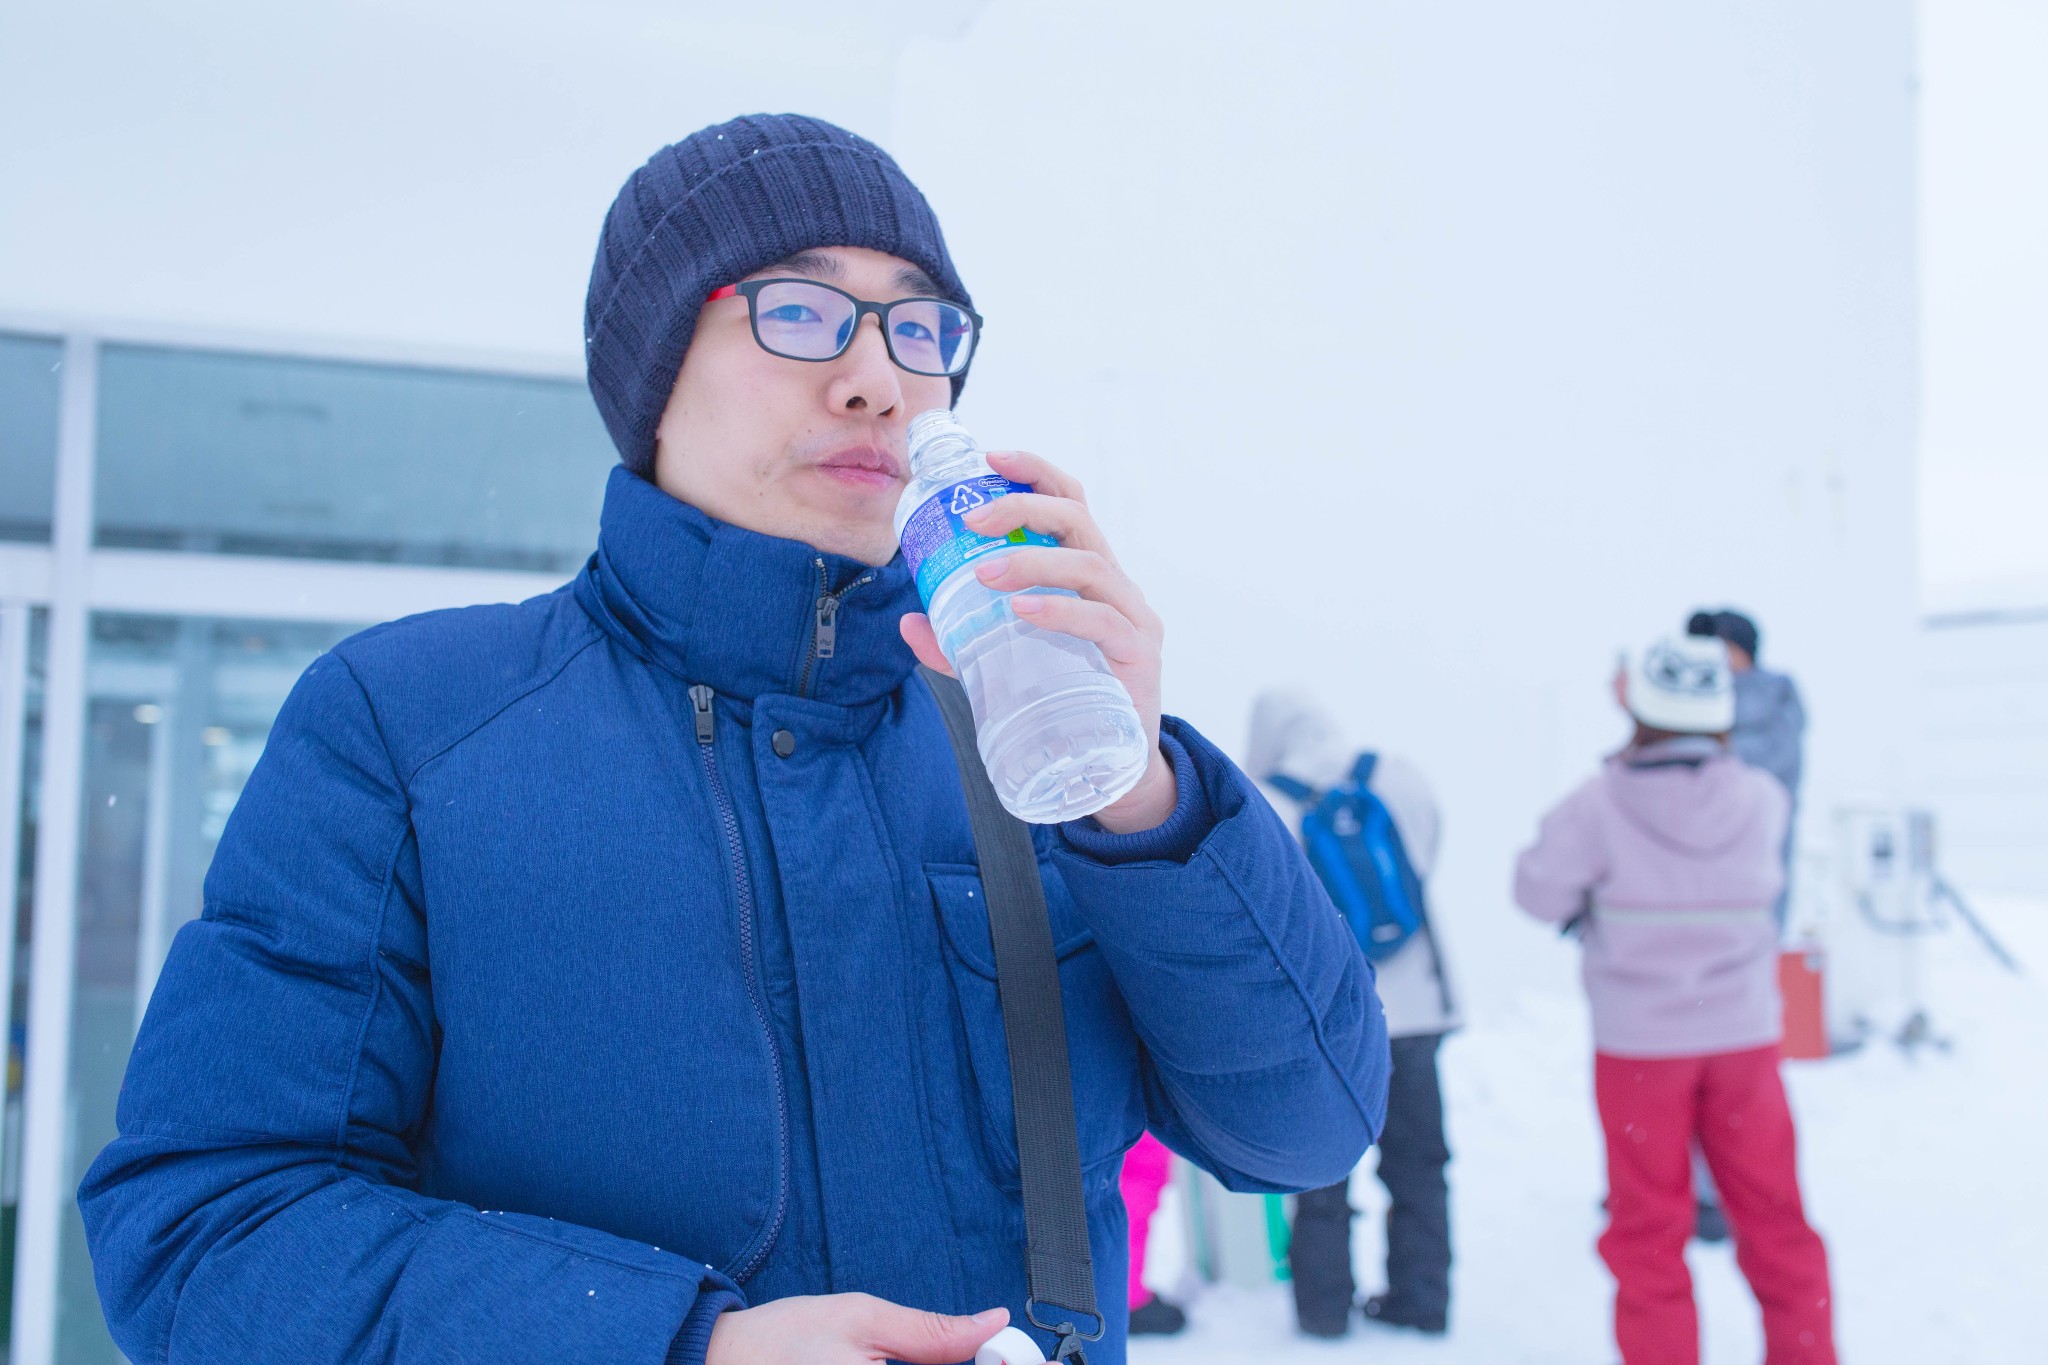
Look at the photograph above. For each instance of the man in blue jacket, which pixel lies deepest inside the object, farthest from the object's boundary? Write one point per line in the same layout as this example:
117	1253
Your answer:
607	978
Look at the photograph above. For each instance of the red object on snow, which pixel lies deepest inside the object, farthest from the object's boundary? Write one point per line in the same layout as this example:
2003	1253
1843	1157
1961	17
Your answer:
1799	982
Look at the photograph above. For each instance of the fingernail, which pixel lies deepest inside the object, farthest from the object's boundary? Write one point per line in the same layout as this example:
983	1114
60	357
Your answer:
991	1317
989	571
1027	604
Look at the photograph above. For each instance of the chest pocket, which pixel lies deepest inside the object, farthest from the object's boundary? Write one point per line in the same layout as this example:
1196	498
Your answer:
1102	1048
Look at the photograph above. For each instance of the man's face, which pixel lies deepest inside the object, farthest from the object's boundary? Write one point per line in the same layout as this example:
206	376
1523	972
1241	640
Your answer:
810	451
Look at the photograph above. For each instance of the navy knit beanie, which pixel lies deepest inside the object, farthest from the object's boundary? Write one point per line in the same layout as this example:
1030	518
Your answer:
711	210
1731	627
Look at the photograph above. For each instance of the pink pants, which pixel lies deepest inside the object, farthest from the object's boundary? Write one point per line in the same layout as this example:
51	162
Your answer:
1147	1168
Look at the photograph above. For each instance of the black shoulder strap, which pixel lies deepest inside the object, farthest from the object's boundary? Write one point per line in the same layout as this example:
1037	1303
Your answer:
1058	1266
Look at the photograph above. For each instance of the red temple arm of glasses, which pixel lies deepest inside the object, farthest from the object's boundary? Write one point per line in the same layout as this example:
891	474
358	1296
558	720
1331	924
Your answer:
728	292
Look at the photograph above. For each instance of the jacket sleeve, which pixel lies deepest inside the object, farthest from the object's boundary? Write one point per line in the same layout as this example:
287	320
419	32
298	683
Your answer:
1555	876
260	1201
1777	803
1406	793
1267	1053
1788	736
1773	736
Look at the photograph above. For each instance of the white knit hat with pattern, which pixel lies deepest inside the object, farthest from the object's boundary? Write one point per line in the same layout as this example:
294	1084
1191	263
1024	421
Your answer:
1683	684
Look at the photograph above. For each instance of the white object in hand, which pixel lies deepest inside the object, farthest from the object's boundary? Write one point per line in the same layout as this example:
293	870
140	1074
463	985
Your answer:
1009	1347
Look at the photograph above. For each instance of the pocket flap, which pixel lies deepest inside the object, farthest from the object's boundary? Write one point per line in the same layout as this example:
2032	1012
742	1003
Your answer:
963	913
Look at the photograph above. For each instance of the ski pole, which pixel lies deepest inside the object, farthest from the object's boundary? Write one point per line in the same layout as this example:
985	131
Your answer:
1984	935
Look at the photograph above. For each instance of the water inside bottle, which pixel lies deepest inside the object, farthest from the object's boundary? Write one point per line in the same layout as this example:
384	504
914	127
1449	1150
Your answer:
1056	730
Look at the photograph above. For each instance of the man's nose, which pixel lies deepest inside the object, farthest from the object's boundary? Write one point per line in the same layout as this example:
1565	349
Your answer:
867	381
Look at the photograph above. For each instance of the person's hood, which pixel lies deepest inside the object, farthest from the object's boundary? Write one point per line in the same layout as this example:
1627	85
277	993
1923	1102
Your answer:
1295	736
738	610
1690	794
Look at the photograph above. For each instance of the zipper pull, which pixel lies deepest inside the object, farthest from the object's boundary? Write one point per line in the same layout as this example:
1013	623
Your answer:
700	703
826	637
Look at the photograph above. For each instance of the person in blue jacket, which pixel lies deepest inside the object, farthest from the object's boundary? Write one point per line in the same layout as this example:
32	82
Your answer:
606	979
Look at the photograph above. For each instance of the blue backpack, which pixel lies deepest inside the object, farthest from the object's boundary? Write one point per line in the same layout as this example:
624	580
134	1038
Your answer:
1356	849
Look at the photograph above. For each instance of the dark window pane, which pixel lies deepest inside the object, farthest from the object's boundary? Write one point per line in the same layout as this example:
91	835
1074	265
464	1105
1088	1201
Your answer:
245	454
28	435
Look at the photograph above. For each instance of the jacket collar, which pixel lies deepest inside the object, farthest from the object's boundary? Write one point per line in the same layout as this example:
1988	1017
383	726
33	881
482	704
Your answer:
739	610
1682	751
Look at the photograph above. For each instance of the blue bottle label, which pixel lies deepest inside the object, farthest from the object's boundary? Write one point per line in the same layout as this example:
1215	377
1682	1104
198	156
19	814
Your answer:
936	541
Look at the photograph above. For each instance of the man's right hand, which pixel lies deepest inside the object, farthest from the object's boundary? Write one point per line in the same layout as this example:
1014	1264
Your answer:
847	1329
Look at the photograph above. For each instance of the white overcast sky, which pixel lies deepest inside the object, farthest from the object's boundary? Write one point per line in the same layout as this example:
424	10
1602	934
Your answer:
1983	268
1984	290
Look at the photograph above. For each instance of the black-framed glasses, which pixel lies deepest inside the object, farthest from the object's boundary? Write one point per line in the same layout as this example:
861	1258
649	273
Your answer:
801	319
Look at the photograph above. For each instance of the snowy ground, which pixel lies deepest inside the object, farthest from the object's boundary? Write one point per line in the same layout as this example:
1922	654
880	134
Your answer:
1923	1173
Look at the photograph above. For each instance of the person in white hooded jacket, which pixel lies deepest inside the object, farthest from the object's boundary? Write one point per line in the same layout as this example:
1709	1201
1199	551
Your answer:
1294	737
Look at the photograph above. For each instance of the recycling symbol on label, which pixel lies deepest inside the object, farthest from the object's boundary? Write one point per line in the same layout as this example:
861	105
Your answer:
966	497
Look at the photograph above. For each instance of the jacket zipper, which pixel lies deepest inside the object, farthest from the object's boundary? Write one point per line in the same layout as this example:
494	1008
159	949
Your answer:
825	625
707	734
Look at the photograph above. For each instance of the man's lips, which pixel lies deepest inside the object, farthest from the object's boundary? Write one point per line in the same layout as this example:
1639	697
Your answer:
863	464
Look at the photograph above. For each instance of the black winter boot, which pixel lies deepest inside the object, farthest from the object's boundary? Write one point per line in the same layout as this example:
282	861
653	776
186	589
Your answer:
1390	1310
1155	1317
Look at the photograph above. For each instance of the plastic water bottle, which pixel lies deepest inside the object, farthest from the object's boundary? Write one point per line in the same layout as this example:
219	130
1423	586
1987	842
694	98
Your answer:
1056	730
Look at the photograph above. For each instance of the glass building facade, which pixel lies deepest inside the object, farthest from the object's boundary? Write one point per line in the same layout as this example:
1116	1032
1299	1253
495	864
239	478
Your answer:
183	530
29	381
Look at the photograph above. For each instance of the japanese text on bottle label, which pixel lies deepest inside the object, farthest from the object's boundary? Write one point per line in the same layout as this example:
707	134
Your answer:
936	542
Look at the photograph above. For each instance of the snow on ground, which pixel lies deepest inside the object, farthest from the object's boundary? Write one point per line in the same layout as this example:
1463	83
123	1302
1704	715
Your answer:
1921	1171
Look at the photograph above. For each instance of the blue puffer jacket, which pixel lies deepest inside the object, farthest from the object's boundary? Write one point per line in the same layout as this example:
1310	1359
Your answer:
542	1009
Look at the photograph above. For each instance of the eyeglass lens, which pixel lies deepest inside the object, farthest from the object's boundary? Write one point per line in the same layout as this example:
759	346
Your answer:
812	322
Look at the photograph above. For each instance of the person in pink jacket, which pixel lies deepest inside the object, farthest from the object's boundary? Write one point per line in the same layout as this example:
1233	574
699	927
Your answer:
1667	864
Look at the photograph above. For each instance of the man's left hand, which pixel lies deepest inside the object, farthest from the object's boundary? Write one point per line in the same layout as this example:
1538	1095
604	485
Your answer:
1110	611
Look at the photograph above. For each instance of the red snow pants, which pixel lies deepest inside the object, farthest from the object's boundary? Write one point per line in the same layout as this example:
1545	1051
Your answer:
1733	1105
1147	1168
